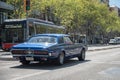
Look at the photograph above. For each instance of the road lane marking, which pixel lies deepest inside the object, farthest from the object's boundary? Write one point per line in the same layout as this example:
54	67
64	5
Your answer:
29	75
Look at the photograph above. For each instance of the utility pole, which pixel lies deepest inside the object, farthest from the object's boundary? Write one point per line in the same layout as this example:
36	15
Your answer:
26	9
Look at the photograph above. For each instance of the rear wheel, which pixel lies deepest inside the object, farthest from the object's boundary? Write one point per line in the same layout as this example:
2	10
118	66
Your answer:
25	62
60	60
81	57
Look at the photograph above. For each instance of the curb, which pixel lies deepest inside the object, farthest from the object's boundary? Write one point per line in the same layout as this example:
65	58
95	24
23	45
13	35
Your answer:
104	48
7	57
4	58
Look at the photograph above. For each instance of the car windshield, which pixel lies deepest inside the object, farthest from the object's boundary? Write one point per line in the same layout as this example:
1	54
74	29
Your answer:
43	39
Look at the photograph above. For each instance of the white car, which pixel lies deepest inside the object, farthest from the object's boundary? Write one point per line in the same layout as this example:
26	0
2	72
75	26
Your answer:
114	41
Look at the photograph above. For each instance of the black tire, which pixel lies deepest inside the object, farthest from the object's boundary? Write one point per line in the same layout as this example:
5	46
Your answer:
6	50
61	58
25	62
81	57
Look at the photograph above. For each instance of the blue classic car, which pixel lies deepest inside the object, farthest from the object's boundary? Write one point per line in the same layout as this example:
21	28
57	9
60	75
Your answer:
48	47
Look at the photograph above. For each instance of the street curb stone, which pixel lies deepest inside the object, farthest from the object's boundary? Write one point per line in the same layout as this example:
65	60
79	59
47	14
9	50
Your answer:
7	59
104	48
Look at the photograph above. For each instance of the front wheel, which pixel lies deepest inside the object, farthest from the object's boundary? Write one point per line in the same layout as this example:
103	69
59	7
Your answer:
60	60
81	57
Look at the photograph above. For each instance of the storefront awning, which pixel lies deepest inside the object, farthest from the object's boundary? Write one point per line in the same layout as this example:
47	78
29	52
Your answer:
6	6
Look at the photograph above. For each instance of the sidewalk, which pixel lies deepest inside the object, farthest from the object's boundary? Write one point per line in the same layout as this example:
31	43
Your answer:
7	55
101	47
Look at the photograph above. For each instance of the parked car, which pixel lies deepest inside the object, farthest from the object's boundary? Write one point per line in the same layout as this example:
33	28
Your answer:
116	40
112	41
48	47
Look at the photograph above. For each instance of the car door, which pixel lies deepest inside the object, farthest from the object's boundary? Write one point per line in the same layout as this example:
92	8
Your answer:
69	47
77	48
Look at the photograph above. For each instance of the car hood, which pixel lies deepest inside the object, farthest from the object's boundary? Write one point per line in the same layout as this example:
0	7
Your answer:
33	45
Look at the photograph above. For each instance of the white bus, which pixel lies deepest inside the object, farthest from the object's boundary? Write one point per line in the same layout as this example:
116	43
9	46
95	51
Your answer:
15	31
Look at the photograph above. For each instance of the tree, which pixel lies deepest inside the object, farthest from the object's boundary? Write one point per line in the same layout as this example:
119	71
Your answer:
88	17
18	11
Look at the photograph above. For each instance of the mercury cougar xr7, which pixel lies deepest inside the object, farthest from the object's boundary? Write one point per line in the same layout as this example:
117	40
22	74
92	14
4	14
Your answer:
48	47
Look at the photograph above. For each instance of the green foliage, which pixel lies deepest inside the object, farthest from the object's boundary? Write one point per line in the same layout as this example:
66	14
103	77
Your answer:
75	15
18	11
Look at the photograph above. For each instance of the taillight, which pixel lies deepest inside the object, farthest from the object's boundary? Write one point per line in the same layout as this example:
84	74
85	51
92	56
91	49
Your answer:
17	51
40	52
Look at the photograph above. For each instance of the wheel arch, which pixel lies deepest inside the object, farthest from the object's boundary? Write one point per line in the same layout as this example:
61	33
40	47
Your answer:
63	52
83	49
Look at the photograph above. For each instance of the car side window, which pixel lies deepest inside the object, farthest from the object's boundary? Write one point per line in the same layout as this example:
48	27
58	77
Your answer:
61	40
67	40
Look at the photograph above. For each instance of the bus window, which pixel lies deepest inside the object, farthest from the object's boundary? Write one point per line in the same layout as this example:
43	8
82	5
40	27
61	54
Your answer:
40	29
45	29
31	30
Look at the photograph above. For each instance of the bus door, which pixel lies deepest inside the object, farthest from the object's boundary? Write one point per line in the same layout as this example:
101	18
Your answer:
31	30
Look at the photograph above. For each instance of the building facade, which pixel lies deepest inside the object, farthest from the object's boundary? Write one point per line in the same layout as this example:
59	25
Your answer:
5	11
105	1
114	8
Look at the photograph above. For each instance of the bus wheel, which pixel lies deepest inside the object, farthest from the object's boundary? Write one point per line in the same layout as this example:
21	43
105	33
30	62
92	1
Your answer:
7	50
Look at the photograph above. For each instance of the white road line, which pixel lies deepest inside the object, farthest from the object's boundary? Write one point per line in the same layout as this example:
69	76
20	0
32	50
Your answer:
29	75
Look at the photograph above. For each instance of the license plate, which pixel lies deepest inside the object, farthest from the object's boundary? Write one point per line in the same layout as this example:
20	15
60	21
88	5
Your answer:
29	58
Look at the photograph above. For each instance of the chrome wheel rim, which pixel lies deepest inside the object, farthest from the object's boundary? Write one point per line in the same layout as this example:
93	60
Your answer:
83	54
61	58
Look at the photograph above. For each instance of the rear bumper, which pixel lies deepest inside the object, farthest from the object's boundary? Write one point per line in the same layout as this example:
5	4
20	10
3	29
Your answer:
34	57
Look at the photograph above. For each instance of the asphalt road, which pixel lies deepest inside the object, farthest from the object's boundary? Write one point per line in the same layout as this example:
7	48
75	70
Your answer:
99	65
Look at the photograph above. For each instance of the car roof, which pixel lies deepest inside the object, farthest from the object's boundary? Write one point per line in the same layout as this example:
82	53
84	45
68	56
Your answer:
56	35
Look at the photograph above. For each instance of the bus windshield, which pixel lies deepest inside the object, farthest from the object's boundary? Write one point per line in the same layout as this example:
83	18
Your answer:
12	33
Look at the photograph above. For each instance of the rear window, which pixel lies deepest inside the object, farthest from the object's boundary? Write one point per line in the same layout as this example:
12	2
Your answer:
43	39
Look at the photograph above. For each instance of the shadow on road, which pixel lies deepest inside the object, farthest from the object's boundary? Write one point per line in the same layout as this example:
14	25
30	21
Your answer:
50	66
